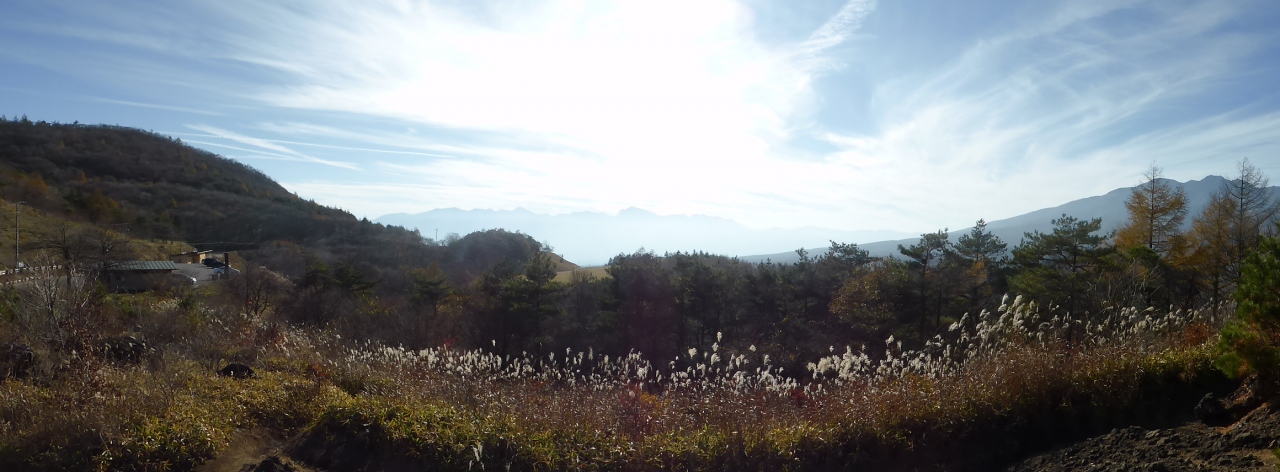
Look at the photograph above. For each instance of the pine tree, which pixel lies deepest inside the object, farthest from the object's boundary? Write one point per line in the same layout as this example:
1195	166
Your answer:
926	256
983	256
1060	266
1250	343
980	246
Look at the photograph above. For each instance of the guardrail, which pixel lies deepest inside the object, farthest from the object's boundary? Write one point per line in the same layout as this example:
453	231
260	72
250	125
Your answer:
26	273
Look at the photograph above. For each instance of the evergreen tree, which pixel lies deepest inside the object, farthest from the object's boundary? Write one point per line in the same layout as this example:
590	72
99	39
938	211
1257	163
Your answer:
705	297
1250	343
925	257
868	305
644	296
429	289
979	258
1059	267
981	247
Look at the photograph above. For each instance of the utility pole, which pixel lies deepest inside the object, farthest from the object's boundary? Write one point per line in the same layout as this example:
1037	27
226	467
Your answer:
17	235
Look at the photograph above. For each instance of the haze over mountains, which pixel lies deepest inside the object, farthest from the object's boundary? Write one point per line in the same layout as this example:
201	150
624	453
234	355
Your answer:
590	238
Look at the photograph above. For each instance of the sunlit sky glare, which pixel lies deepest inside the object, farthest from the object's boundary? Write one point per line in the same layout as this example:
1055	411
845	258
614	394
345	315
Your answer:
905	115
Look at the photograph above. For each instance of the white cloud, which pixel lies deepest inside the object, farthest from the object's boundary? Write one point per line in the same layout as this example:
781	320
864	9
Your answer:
632	104
670	106
683	107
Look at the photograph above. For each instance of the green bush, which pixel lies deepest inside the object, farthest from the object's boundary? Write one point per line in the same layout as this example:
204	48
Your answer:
1249	344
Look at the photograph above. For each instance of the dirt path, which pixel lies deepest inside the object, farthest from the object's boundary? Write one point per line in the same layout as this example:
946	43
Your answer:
255	450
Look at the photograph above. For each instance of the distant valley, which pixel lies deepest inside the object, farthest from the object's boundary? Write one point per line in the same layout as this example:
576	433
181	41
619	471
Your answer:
591	238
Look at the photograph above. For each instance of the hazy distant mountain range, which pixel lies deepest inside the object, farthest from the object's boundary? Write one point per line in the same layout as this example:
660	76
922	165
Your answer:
1109	207
589	238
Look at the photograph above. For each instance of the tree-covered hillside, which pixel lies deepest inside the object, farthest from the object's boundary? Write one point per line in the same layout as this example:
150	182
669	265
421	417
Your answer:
154	187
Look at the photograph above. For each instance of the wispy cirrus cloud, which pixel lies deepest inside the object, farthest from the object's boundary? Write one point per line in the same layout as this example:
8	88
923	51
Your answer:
157	106
277	149
847	114
1088	94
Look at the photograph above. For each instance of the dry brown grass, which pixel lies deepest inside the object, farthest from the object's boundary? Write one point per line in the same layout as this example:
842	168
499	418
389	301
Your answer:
1016	371
566	276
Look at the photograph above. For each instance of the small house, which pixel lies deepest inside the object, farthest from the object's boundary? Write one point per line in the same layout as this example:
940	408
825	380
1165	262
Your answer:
138	276
193	257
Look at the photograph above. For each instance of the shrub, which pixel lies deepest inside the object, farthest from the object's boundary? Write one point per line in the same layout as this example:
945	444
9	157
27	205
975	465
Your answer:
1249	344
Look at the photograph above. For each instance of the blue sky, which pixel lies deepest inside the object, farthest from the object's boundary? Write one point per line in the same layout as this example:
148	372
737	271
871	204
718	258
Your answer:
911	115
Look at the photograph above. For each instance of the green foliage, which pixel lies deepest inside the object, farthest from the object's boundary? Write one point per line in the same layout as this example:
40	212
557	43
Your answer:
1250	344
1245	350
980	246
353	280
871	303
926	253
1259	292
845	259
510	305
1059	267
430	286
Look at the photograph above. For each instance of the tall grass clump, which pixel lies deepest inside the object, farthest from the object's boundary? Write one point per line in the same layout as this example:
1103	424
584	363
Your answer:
991	371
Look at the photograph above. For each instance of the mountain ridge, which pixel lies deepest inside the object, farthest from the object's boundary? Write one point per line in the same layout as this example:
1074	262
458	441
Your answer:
1109	206
592	238
636	228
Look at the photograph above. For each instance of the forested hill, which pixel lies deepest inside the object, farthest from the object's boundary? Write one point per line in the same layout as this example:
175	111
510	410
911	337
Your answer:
156	185
153	186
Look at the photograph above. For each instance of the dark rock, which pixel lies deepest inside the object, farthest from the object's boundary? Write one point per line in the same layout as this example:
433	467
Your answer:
1244	400
1226	460
1244	439
16	361
1246	445
236	371
271	464
1212	412
122	349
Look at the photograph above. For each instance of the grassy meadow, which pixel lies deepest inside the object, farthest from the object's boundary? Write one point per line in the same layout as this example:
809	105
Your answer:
994	385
